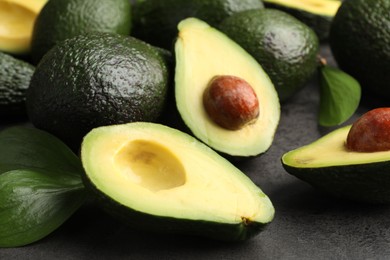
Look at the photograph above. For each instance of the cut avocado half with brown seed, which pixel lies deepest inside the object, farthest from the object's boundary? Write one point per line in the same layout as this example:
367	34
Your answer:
329	166
203	53
158	178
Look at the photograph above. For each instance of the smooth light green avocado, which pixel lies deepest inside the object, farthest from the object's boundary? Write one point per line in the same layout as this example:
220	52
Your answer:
284	46
318	14
15	76
202	52
60	20
160	179
96	79
329	166
360	43
155	21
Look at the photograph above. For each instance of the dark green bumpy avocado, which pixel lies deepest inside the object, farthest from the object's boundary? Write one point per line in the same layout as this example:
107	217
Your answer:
60	20
96	79
360	43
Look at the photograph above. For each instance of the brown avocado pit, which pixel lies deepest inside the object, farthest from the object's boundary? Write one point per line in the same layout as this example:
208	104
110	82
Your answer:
231	102
371	132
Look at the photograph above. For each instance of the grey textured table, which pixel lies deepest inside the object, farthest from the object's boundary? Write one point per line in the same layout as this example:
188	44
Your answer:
307	224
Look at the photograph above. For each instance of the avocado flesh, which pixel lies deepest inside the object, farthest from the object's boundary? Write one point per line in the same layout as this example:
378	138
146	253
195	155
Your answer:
327	165
331	151
318	14
320	7
150	171
203	52
16	24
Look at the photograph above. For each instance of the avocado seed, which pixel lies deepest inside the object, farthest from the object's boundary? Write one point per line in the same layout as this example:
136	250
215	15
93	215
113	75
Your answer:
371	132
231	102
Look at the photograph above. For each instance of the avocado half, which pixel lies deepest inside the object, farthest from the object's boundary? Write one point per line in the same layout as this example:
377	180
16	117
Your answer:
158	178
329	166
318	14
203	52
17	18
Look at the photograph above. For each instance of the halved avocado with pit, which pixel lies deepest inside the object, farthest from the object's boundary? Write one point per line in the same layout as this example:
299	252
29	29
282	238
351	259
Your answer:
158	178
203	53
329	166
17	18
318	14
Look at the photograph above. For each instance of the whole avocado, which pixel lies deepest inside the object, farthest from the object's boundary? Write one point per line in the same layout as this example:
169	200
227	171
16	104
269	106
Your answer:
285	47
15	76
94	80
155	21
360	43
63	19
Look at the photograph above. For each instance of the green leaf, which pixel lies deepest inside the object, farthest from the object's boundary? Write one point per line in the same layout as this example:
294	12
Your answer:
339	96
24	147
40	185
33	204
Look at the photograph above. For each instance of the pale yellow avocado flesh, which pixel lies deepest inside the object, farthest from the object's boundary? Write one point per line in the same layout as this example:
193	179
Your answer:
203	52
321	7
17	19
161	171
330	150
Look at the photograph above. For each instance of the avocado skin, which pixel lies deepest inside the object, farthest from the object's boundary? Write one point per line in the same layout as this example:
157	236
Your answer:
160	224
60	20
360	42
155	21
285	47
15	76
319	23
367	183
94	80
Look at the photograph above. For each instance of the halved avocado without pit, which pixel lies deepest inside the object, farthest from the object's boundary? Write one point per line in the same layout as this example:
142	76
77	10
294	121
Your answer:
204	53
329	166
158	178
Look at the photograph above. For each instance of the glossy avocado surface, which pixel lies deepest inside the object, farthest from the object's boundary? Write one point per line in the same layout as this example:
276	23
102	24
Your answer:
360	40
97	79
61	20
